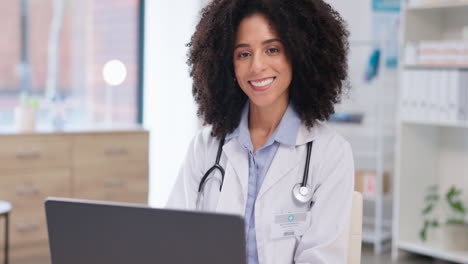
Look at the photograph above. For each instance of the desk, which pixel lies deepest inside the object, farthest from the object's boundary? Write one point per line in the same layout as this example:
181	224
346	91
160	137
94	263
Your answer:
5	208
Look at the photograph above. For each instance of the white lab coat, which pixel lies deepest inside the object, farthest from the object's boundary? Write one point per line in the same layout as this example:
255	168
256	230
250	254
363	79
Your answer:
331	176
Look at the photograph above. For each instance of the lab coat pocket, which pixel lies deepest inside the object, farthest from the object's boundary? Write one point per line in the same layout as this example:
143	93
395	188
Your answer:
284	250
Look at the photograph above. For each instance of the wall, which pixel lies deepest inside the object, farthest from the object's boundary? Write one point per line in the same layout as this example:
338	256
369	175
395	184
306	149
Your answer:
358	15
169	110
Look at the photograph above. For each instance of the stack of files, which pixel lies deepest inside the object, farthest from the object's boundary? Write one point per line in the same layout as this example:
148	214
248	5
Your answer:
453	53
434	95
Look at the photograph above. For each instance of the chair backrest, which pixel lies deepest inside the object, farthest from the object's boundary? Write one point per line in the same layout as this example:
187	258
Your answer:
355	230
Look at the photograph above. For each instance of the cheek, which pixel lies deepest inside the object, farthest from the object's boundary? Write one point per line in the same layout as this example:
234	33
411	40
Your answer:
237	71
289	76
287	72
240	72
282	65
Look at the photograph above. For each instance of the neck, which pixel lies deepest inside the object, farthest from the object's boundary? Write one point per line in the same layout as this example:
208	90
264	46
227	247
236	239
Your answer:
264	120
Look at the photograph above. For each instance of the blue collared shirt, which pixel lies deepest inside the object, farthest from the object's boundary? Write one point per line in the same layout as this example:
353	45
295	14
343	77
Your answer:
259	162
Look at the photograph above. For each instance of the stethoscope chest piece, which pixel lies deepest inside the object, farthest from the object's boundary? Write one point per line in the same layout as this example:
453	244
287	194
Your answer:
302	194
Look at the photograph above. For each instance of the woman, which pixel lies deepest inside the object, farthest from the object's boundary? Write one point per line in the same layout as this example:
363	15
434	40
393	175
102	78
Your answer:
267	74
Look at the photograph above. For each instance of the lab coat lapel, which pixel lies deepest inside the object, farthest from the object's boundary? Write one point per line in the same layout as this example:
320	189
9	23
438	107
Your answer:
283	163
286	159
236	157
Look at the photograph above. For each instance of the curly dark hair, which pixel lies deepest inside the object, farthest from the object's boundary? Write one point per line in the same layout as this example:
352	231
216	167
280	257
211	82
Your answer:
316	41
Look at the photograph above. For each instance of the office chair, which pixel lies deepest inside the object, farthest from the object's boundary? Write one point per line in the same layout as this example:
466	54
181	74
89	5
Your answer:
355	230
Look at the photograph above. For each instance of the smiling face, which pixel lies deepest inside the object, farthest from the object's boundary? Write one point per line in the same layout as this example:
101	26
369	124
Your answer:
262	68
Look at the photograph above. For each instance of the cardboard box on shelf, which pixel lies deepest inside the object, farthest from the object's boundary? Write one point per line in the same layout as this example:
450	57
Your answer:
365	183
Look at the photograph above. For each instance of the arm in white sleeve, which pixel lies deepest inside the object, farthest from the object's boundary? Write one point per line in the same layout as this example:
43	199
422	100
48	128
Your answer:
326	240
184	193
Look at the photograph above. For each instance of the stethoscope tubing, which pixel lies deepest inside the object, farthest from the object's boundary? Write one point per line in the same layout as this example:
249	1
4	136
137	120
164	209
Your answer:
214	167
306	169
217	166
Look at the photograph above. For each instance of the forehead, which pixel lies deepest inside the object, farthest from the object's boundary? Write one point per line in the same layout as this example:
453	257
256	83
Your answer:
255	27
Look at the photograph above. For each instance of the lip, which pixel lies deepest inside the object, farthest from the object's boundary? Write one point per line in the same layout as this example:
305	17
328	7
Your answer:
261	88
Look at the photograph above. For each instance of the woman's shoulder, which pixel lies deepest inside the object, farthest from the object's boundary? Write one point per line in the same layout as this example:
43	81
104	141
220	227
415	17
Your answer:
323	134
203	138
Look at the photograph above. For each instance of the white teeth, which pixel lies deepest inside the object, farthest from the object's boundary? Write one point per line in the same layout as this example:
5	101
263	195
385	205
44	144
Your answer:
262	83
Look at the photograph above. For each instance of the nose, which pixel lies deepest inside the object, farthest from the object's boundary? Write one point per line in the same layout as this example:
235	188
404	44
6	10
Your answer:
258	63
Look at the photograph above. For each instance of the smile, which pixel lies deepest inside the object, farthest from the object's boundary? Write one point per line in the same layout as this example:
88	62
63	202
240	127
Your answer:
262	84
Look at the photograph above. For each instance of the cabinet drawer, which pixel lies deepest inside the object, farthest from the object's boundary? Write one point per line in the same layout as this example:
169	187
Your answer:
124	182
33	254
28	237
27	190
42	151
27	227
109	149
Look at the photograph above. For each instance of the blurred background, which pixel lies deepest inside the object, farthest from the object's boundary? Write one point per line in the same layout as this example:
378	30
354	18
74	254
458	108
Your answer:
55	50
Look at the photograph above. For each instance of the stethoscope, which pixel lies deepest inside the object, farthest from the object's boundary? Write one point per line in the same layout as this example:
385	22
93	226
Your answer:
301	192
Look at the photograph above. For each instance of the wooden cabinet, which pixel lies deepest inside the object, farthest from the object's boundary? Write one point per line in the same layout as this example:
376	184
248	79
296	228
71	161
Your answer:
108	166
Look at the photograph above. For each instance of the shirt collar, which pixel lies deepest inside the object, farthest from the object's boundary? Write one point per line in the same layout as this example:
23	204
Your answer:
285	133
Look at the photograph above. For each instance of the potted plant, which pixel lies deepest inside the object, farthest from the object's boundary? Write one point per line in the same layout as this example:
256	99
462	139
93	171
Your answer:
455	226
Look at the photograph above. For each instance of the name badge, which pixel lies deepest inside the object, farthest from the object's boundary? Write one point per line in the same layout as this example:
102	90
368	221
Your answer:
289	225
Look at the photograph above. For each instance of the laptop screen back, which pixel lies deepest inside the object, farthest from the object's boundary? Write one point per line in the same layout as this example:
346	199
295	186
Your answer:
89	232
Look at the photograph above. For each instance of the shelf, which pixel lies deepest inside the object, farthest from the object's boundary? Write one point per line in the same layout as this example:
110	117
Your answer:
373	154
362	130
369	236
74	128
429	150
385	197
454	4
437	67
455	124
433	250
368	221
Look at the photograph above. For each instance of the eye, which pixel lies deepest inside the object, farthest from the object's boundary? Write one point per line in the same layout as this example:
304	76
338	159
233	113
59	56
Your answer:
243	54
272	51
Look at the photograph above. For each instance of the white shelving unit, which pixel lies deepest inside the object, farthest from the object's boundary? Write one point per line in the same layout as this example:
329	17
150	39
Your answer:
372	141
428	152
426	5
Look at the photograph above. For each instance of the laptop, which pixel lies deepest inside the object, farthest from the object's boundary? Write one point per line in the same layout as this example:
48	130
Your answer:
113	233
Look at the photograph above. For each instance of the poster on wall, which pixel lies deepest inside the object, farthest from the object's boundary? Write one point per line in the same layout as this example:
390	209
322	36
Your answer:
385	29
386	5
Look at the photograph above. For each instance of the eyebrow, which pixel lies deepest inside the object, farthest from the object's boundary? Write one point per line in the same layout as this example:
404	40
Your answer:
263	43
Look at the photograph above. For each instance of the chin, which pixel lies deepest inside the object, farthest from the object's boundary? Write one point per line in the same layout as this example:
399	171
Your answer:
261	102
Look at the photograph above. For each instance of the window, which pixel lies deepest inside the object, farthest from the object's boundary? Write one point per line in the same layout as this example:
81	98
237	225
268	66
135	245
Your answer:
56	51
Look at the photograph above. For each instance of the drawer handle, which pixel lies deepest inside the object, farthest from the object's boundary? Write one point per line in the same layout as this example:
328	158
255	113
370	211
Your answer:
114	182
116	151
27	190
26	228
28	154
